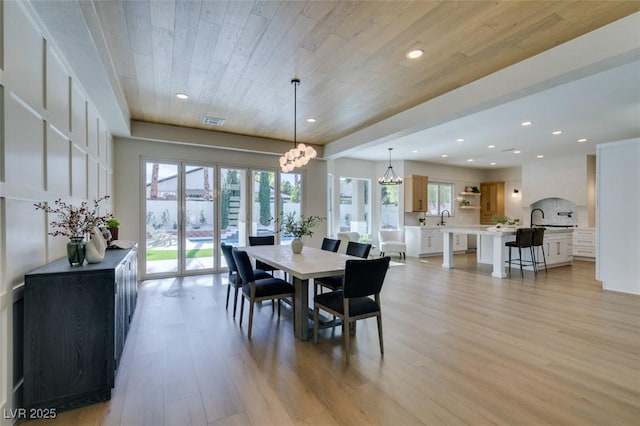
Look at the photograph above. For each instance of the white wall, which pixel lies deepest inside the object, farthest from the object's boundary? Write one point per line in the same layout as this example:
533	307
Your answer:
53	144
617	248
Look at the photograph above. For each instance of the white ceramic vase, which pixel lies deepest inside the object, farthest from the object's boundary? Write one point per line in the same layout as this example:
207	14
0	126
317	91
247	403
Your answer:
95	247
296	245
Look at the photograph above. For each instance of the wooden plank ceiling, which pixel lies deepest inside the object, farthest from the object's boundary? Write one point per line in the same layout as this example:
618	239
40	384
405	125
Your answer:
235	59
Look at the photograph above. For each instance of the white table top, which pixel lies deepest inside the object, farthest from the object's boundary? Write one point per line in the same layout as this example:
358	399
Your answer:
311	263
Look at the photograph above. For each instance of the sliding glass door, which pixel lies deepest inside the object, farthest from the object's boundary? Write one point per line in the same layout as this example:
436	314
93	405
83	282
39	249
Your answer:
233	208
180	218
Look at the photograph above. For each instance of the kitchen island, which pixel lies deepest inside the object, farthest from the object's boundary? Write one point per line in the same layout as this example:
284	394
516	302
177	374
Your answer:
491	247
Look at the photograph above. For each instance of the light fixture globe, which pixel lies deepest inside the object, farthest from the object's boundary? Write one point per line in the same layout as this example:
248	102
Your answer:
300	154
390	177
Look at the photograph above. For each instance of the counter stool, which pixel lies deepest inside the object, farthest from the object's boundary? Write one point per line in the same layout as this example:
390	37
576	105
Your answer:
538	238
524	239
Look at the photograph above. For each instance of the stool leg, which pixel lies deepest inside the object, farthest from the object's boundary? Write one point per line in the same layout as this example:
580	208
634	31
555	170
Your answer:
544	258
509	261
533	260
520	253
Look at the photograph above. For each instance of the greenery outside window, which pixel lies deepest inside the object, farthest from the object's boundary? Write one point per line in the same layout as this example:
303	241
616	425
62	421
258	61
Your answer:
440	197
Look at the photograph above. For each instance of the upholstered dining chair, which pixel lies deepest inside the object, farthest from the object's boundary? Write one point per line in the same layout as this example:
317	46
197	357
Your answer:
265	240
524	239
358	299
257	290
392	241
234	278
335	282
330	244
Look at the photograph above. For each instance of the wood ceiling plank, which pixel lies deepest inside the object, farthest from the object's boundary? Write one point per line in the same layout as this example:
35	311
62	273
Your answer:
235	58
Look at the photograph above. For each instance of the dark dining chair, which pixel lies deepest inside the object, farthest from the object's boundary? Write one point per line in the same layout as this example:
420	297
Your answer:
524	239
358	299
335	282
257	290
234	278
265	240
329	244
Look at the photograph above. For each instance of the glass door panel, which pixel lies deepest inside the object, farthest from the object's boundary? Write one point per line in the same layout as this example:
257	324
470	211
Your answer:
233	208
199	218
161	212
354	206
264	206
290	199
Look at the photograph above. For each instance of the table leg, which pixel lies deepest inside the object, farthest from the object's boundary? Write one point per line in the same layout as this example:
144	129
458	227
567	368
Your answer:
447	250
301	322
498	257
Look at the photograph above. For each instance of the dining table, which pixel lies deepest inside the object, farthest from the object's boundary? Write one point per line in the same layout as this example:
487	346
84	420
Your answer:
310	263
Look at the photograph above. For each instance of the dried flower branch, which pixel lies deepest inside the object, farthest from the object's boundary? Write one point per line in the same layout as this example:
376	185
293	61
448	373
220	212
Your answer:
75	222
300	227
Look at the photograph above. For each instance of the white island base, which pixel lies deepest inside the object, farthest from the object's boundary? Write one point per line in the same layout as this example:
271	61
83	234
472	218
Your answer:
491	248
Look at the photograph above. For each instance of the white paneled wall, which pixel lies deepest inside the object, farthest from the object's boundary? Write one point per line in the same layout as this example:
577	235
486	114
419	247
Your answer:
54	145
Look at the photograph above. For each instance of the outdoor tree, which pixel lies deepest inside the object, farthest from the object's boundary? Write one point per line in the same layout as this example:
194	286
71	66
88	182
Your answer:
264	199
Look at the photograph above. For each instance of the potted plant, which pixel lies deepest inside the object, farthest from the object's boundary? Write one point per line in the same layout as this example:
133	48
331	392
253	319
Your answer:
112	225
75	222
298	228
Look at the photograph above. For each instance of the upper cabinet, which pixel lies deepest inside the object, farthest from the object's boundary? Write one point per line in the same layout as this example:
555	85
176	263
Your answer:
415	193
491	201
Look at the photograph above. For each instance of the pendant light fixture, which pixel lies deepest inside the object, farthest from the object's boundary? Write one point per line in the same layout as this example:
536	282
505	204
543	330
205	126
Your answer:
390	177
300	154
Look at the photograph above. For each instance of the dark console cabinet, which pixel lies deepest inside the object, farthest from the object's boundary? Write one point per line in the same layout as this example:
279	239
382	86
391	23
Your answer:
76	321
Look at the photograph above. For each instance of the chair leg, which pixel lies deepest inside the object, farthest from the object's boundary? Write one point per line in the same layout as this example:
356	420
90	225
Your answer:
241	309
226	306
279	304
509	261
235	301
379	318
251	303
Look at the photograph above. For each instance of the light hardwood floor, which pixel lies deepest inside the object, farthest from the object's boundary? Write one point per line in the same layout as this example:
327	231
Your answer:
461	348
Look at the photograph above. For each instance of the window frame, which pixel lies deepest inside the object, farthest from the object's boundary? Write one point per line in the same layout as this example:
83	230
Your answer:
438	185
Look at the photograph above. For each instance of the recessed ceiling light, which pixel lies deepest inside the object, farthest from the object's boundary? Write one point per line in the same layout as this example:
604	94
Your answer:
491	146
493	163
540	156
414	151
470	160
526	123
582	140
556	132
415	53
516	151
182	96
444	156
311	120
460	140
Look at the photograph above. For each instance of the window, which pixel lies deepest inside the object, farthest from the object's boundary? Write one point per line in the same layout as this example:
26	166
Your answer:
354	205
389	211
440	198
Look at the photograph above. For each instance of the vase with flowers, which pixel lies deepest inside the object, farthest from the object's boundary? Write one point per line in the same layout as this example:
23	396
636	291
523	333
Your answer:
298	227
75	222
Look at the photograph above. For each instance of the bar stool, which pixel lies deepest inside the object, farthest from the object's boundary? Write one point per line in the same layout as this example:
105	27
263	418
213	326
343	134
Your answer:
538	238
524	239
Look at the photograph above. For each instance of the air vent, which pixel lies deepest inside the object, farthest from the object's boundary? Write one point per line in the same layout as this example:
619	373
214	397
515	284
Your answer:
214	121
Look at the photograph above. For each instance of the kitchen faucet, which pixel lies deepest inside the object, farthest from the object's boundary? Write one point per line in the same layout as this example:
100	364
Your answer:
531	217
442	216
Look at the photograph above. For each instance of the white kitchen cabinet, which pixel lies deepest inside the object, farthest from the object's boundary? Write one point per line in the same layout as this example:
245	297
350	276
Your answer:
423	241
584	243
558	248
459	242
